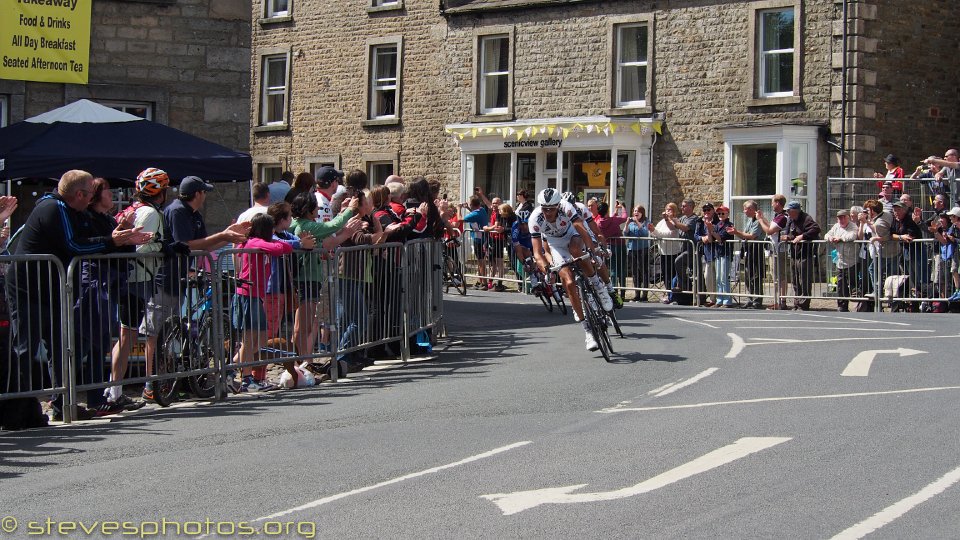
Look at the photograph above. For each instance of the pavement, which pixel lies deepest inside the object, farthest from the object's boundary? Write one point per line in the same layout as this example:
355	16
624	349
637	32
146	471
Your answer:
708	423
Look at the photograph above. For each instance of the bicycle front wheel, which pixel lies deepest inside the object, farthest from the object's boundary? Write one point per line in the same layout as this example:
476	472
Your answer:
201	356
169	360
590	305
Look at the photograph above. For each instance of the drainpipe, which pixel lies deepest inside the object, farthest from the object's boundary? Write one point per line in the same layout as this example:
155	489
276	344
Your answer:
843	97
650	188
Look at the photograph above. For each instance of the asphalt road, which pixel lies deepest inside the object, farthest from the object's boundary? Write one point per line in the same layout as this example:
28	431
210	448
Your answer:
710	423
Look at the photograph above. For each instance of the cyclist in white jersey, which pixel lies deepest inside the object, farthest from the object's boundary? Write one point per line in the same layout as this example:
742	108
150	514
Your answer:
560	225
599	240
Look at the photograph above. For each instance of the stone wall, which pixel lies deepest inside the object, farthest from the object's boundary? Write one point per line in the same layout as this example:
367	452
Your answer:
189	58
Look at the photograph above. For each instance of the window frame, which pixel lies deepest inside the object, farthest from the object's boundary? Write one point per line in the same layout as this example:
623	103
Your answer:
4	110
122	105
758	95
265	58
263	167
370	88
384	5
270	14
615	26
371	160
490	114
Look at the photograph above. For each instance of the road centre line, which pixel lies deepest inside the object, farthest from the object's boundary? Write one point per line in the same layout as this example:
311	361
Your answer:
696	322
899	508
673	388
773	399
332	498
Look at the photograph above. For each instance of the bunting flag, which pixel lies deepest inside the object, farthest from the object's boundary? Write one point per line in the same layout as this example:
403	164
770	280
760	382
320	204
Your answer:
562	129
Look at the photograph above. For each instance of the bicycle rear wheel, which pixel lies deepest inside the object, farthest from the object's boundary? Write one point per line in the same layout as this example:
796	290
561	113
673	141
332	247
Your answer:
169	360
201	356
558	293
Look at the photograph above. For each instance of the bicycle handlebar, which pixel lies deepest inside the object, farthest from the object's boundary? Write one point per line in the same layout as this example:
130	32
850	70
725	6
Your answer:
563	265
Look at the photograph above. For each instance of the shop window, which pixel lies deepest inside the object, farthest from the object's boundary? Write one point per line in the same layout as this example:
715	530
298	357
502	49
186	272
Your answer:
494	75
140	109
527	174
274	89
492	174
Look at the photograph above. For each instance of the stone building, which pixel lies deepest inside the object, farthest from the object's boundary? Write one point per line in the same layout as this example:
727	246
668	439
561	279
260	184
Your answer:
639	101
183	63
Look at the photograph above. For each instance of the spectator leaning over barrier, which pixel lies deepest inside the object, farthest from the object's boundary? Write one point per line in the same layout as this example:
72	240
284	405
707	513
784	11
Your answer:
183	224
934	175
387	275
752	253
58	226
309	274
305	183
800	232
280	187
774	229
887	196
476	219
102	282
843	237
638	252
905	230
948	234
884	250
949	166
667	228
150	195
246	307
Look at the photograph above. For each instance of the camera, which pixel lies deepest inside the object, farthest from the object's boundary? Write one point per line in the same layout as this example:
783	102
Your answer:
476	190
412	204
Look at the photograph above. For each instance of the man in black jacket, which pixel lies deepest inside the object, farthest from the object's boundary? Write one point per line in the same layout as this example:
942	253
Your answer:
801	230
57	226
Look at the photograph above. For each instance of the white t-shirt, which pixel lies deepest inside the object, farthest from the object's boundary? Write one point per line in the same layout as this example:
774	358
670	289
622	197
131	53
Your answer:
325	213
249	213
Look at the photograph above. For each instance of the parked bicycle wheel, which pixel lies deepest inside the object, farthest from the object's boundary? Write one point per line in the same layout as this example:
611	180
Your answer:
169	360
202	356
455	276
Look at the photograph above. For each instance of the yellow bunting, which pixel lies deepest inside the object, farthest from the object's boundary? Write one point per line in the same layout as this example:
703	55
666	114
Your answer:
658	127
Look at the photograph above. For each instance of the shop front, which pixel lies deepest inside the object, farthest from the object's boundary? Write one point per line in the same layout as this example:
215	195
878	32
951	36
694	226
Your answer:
601	157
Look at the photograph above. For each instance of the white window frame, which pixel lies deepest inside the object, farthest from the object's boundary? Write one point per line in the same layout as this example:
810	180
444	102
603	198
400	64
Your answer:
385	3
790	164
127	106
767	56
264	167
376	87
484	75
4	110
266	61
271	11
620	65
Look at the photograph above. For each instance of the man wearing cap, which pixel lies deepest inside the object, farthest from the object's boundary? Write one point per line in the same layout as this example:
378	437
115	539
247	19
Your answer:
183	223
328	180
801	230
893	173
843	236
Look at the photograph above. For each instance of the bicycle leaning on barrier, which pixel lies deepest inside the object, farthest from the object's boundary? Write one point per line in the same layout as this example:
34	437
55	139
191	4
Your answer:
453	267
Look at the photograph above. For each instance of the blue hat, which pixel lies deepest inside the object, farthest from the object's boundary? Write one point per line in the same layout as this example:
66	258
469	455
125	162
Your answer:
793	205
327	175
193	184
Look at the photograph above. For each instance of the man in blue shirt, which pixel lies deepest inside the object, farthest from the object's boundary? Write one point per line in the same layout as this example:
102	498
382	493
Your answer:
477	219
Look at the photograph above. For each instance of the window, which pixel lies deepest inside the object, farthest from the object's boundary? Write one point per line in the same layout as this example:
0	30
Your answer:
776	53
274	90
384	75
270	172
385	3
143	110
4	111
378	171
762	162
494	83
277	8
631	65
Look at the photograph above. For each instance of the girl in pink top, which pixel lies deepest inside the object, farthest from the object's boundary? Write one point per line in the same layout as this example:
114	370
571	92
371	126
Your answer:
249	317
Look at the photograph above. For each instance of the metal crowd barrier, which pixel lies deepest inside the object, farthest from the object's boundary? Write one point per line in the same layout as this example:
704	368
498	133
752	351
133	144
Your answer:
34	328
490	257
83	329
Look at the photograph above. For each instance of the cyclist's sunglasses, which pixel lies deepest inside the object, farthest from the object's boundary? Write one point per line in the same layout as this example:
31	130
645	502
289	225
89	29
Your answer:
546	207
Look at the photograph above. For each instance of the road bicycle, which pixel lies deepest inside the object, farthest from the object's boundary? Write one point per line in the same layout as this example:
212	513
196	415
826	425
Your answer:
187	342
597	319
453	267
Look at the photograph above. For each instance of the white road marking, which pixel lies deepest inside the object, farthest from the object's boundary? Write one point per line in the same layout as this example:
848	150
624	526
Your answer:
860	365
736	347
897	509
512	503
807	320
779	341
858	319
772	399
820	329
656	390
332	498
695	322
688	382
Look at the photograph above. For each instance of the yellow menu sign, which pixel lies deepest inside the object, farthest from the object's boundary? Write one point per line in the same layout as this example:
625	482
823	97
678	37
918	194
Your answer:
45	40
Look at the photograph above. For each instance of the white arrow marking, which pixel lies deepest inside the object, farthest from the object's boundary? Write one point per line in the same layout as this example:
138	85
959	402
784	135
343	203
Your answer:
512	503
860	365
